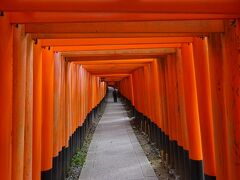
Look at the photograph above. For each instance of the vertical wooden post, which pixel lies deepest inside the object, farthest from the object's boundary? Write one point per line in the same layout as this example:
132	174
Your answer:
231	70
19	95
170	109
167	105
175	114
132	92
67	112
163	84
182	116
63	116
191	103
157	96
6	79
218	105
56	113
28	135
201	62
47	113
37	110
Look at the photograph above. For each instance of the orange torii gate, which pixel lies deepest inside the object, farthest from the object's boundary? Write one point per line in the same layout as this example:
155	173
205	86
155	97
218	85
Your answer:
176	63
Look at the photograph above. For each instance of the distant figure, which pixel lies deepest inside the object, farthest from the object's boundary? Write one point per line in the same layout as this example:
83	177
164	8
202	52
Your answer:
115	95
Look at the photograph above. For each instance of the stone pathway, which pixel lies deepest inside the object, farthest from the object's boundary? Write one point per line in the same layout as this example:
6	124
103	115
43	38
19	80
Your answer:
114	152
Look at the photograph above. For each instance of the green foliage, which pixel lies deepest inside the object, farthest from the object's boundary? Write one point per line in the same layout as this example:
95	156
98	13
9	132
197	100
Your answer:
79	158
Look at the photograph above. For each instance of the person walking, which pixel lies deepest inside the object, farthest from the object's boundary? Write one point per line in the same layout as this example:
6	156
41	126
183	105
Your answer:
115	95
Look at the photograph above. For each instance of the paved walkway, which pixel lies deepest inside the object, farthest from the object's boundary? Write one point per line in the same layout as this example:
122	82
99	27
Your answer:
115	153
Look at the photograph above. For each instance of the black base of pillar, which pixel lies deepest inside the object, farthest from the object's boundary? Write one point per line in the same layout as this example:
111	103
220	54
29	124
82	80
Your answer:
60	161
167	145
207	177
158	138
171	154
64	162
164	142
196	170
181	162
81	137
155	134
46	175
55	168
175	155
187	171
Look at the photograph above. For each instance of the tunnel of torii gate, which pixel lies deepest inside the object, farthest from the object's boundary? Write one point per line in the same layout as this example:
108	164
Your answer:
176	63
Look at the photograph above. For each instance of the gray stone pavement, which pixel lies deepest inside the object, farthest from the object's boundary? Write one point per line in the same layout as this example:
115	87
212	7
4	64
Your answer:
114	152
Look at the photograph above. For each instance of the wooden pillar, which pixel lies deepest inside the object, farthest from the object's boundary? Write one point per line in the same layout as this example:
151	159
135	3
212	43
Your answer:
19	101
201	62
56	113
191	104
47	113
63	117
6	79
170	108
156	85
181	134
218	106
163	106
37	110
184	141
175	109
28	135
166	108
131	89
231	66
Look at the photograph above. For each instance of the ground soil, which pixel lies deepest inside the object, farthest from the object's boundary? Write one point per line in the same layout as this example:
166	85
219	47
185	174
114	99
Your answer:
161	169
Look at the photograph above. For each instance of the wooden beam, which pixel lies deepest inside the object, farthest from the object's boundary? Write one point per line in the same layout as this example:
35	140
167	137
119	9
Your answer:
112	75
113	57
119	53
187	26
76	17
104	68
125	61
113	79
117	66
163	6
114	41
110	71
111	35
113	47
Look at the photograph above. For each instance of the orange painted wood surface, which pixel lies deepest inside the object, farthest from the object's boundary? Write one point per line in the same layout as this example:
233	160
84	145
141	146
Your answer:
189	26
190	95
176	61
28	134
19	101
201	64
47	109
174	6
218	106
6	95
37	111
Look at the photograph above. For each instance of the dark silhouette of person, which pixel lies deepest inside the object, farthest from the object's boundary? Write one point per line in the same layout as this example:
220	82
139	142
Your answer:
115	95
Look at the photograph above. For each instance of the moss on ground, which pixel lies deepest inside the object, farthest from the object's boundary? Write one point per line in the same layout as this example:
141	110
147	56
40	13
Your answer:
79	158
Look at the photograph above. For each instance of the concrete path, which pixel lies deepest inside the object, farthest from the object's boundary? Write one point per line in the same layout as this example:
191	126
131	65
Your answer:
115	153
